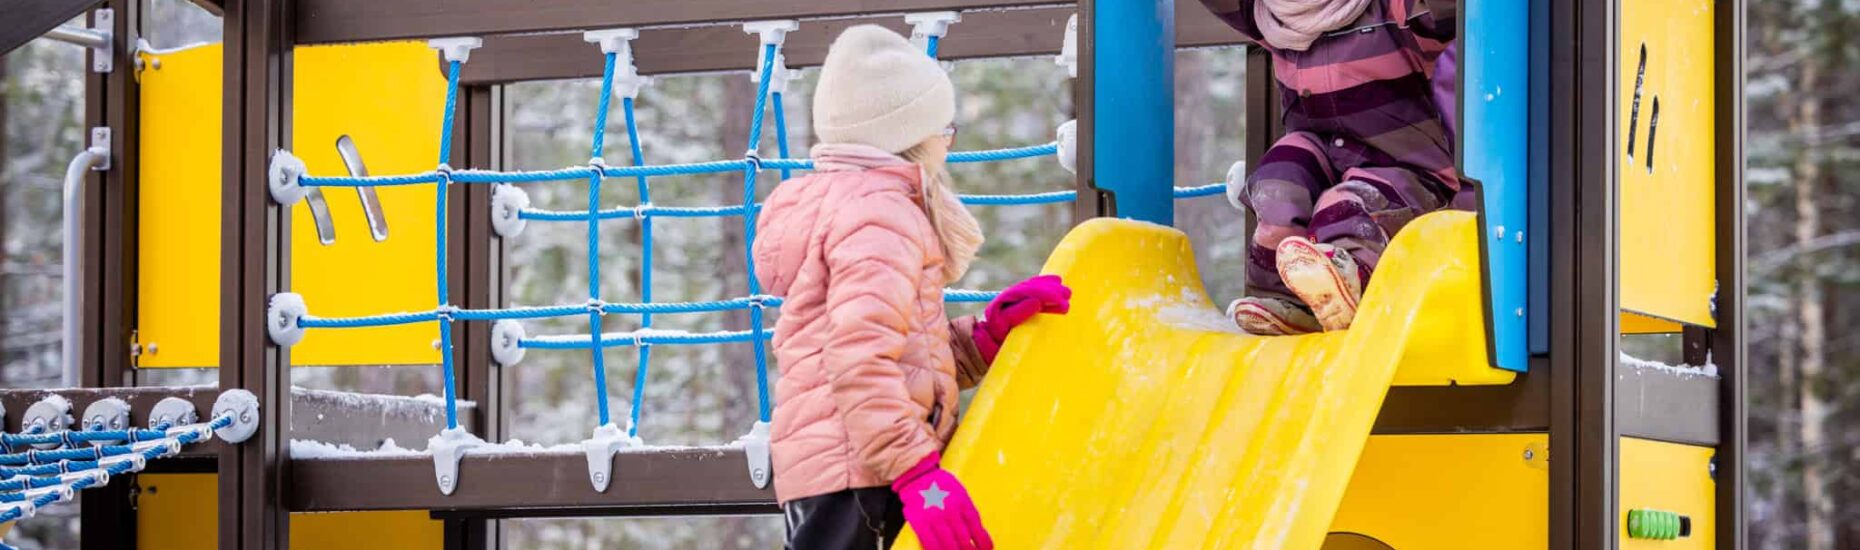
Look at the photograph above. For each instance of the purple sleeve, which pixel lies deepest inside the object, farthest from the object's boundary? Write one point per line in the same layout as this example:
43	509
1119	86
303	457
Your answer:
1446	81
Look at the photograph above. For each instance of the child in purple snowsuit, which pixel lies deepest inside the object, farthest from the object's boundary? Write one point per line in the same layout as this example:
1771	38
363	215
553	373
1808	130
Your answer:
1366	150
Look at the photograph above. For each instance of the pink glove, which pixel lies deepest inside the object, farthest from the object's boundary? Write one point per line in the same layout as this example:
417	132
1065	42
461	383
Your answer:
1017	304
939	509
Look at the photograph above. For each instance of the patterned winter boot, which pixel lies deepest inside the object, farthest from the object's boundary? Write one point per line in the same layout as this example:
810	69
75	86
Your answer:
1323	277
1263	316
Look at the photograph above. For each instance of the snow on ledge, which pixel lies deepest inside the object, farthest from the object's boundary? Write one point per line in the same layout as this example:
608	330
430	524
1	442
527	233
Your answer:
1709	369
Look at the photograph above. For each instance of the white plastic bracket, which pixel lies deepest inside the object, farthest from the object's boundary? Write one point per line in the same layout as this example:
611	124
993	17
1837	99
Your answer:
48	415
619	42
243	406
927	24
773	31
281	317
282	178
1068	137
1069	49
456	48
100	141
756	452
173	411
26	509
103	58
105	414
507	204
779	75
601	448
1236	184
506	342
448	448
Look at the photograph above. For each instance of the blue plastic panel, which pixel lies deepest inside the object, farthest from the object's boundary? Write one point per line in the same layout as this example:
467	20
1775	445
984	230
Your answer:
1495	102
1133	106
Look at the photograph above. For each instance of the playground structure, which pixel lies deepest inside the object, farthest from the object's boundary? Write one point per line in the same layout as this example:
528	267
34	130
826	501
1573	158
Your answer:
1408	430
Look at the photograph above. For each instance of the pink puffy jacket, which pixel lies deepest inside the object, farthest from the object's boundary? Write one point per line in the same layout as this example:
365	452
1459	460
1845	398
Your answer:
870	365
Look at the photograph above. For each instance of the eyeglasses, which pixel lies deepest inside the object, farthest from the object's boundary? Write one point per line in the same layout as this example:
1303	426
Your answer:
949	133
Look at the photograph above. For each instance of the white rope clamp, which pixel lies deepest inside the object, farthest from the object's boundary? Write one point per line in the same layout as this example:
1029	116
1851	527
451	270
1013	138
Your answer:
281	318
506	342
928	24
773	33
456	48
1069	49
619	42
507	205
282	178
1068	138
243	407
779	75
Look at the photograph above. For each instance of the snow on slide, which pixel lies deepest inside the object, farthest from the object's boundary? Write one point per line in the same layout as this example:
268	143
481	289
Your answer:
1142	420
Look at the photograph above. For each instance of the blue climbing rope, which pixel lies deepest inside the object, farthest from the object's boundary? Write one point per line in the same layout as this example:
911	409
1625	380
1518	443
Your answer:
439	240
645	270
931	45
781	137
594	237
757	337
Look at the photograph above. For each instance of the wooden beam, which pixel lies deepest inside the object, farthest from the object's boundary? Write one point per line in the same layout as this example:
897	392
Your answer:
671	482
28	19
982	34
323	21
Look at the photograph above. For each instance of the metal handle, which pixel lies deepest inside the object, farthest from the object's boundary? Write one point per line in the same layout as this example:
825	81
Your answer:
371	203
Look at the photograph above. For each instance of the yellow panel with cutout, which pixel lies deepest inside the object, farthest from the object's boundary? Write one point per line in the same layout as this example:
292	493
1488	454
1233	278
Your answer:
180	511
1667	159
178	287
1473	491
388	98
1671	478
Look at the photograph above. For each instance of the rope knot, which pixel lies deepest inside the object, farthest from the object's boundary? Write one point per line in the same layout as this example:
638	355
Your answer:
643	211
600	167
754	160
597	306
446	311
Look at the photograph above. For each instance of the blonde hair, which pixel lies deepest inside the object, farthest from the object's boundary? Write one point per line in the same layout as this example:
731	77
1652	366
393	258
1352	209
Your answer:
956	228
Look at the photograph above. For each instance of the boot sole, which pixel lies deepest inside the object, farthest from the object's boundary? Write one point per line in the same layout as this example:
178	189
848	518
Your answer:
1313	277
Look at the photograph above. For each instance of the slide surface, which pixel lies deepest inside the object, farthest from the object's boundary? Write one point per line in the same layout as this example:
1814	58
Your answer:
1143	419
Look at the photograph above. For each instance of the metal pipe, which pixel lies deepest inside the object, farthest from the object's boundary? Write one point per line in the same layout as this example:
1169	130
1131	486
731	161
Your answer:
80	36
80	166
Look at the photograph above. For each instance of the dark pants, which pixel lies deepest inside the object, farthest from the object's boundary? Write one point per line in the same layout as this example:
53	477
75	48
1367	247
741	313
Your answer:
853	519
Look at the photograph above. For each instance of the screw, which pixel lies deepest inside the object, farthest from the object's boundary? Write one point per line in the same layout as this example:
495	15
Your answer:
1530	455
445	481
153	348
1520	236
1519	312
1498	232
157	63
599	477
245	416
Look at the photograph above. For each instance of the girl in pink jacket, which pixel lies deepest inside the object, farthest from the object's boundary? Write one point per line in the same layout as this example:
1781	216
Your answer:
860	251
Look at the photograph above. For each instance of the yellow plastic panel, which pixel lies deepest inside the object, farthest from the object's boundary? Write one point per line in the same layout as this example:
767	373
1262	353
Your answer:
389	98
1143	419
1668	477
1471	491
180	511
178	287
1668	222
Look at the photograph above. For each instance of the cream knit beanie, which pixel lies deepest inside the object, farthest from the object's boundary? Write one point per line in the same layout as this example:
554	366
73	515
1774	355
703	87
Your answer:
877	89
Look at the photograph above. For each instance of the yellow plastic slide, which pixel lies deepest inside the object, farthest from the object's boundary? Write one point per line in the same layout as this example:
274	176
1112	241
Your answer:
1143	419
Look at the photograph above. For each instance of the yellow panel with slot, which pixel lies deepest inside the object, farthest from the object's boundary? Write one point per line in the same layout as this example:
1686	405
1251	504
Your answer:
387	99
1666	159
1472	491
1671	481
180	511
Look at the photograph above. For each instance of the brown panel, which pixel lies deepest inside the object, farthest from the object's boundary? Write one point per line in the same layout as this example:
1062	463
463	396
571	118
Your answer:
1522	406
140	400
1091	203
343	419
320	21
500	485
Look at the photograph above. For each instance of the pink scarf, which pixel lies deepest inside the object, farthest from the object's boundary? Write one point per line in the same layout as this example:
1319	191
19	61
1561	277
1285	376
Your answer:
1295	24
956	229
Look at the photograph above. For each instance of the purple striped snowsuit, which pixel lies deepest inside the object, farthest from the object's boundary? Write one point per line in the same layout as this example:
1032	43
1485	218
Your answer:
1366	149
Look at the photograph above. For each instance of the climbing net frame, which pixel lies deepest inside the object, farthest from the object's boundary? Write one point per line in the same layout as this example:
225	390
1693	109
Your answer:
288	316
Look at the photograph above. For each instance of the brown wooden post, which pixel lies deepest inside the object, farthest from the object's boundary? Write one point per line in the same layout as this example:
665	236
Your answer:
254	264
1728	340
